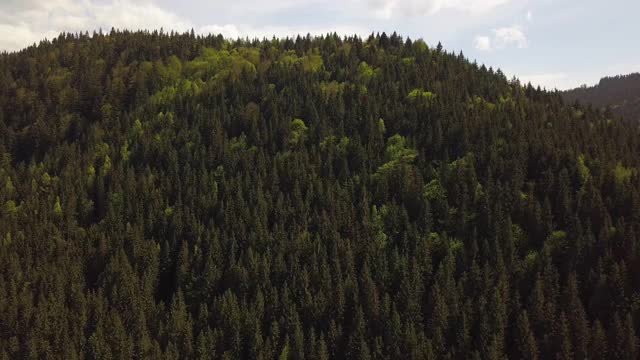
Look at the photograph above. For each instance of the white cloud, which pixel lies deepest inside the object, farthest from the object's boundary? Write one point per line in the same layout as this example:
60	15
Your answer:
241	31
529	16
482	43
14	37
130	15
383	8
24	22
503	37
227	30
387	8
508	36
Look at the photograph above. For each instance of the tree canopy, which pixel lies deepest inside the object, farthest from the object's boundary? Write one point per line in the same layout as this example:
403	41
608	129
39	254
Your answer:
173	196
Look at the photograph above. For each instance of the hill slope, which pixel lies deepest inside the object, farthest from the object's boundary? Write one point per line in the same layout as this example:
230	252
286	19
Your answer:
165	195
620	93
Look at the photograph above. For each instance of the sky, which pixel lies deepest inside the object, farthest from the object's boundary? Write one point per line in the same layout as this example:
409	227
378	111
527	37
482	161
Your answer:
552	43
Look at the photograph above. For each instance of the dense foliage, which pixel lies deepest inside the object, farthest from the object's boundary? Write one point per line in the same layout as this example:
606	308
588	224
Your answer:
621	94
174	196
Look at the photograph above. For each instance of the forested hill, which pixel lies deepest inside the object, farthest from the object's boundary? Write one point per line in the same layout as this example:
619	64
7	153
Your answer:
620	93
168	196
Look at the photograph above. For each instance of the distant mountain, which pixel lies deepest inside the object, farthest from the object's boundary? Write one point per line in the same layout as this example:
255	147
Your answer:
621	93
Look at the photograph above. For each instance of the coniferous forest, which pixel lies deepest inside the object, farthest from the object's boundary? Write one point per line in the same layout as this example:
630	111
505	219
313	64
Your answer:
172	196
621	94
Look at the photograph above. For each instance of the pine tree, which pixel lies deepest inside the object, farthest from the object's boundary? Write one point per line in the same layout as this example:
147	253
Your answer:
525	340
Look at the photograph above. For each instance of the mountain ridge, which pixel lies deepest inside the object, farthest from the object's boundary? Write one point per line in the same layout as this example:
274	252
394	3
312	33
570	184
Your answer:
621	94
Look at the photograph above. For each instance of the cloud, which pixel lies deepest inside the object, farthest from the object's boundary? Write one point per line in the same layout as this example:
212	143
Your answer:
482	43
242	31
19	36
131	15
382	8
227	30
510	36
25	22
503	37
388	8
529	16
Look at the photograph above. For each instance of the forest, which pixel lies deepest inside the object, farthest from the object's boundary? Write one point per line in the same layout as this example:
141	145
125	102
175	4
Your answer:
620	93
175	196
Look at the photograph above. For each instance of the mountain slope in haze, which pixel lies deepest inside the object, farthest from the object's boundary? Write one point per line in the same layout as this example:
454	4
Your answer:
173	196
620	93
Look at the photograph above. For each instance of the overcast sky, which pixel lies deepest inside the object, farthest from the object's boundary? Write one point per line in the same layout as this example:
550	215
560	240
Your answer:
552	43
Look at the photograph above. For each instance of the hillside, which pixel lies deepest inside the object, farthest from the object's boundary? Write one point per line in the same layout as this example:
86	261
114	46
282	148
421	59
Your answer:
173	196
620	93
